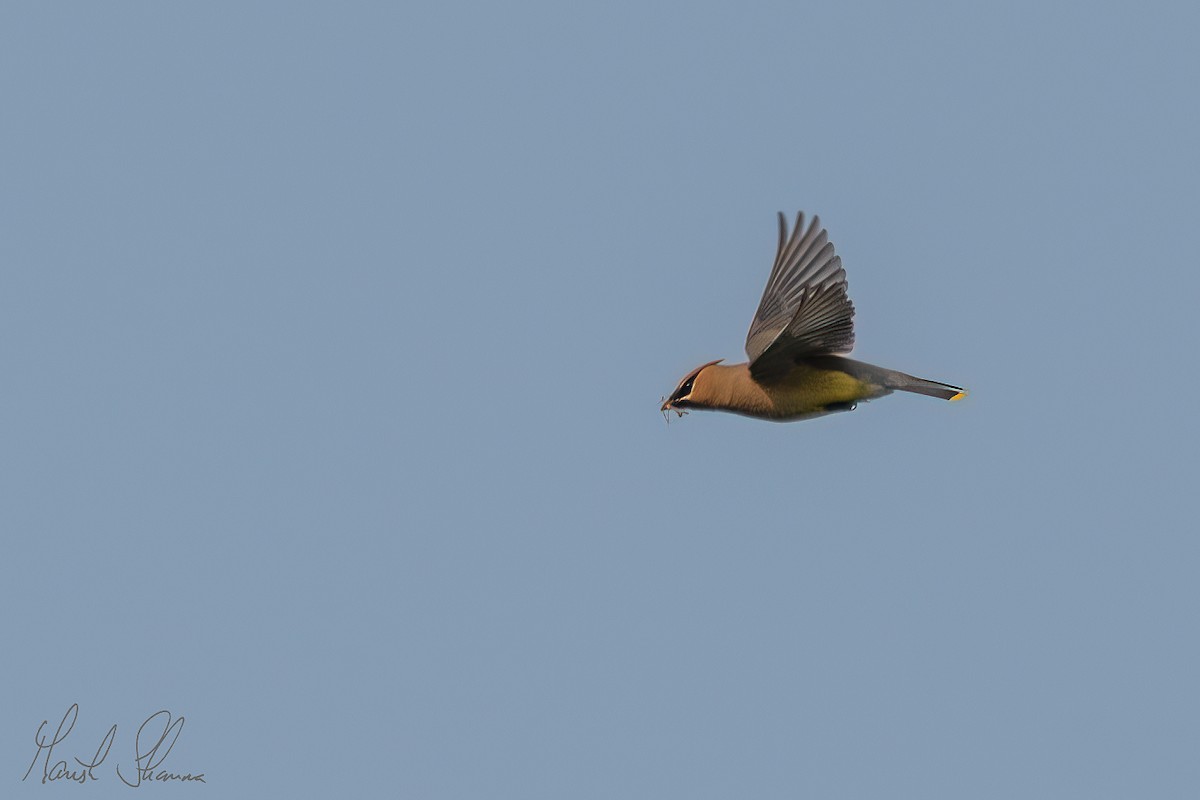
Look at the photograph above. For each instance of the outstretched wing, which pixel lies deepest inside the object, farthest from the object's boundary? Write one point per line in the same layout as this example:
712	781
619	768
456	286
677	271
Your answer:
805	309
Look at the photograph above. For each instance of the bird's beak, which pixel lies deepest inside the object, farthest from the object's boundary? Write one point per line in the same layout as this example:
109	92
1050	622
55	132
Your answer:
669	406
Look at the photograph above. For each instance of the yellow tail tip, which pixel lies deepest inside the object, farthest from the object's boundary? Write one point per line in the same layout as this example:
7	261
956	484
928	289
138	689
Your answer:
959	396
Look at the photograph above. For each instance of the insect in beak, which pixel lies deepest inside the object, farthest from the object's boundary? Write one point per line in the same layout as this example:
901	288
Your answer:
667	408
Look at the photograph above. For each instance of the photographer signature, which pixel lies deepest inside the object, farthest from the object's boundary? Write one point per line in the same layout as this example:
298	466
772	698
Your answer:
152	744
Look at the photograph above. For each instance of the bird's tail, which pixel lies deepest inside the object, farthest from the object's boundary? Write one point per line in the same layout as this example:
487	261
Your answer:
892	380
907	383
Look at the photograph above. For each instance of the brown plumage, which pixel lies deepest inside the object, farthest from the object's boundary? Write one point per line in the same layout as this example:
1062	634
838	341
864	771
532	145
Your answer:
803	324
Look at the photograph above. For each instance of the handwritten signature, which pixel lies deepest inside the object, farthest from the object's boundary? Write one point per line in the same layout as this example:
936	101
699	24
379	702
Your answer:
151	747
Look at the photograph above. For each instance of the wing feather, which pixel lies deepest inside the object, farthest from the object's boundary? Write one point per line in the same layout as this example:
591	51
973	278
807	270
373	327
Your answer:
805	308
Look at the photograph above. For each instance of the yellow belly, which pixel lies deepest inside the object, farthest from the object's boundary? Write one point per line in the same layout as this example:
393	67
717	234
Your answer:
808	391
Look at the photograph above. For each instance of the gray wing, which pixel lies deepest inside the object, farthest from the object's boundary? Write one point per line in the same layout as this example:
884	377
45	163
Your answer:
805	309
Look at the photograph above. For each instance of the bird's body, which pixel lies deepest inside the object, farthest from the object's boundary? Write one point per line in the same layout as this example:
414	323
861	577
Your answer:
807	390
803	325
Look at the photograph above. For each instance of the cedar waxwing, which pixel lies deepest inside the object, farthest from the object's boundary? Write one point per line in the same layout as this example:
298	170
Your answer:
803	323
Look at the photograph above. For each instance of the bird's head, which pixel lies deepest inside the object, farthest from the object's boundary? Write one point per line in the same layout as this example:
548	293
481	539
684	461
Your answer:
686	394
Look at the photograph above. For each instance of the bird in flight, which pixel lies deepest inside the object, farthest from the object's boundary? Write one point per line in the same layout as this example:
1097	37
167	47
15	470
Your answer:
803	326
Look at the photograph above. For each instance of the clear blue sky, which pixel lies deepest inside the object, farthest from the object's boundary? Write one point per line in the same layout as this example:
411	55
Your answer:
333	340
